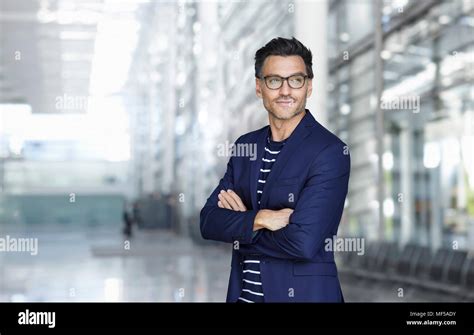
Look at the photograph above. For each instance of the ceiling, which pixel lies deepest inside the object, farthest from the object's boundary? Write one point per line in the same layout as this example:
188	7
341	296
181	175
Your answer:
48	50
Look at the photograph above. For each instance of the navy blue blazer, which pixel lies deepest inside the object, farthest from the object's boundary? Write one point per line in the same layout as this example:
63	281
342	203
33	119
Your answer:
311	176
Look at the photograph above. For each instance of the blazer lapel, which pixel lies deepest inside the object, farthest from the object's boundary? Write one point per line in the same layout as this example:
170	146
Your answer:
256	165
294	142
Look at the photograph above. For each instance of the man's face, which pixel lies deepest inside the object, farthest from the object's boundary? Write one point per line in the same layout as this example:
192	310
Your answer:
286	102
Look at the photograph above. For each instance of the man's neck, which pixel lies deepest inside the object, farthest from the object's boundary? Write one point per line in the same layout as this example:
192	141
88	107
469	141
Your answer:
282	129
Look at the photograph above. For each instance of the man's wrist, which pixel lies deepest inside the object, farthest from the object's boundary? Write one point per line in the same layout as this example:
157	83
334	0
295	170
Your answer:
258	221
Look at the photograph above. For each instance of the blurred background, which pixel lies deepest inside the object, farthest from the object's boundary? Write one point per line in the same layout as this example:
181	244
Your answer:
112	113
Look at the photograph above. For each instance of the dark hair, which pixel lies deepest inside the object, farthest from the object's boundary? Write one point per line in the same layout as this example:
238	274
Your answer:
283	47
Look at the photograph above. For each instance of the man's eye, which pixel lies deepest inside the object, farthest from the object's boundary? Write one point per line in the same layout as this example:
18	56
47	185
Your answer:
297	80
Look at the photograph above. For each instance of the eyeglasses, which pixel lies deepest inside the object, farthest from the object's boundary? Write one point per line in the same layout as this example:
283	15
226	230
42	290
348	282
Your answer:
276	82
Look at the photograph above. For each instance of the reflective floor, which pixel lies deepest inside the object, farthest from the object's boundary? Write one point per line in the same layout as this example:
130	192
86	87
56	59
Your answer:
98	264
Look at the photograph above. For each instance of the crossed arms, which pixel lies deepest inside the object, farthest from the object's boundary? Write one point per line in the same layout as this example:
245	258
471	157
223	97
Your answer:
287	234
265	218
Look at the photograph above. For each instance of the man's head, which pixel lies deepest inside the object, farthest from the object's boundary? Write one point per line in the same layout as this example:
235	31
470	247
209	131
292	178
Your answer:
283	71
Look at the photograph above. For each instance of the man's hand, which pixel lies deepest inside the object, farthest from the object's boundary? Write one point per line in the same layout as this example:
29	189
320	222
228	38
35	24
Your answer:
266	218
272	220
230	200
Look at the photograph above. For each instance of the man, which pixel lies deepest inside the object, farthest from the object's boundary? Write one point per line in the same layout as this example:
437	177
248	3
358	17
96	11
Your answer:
279	209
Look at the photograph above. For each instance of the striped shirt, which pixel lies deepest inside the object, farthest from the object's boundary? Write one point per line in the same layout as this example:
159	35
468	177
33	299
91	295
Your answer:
252	289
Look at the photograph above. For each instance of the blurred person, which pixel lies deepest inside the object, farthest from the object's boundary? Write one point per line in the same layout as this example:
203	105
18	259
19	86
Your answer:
279	209
127	220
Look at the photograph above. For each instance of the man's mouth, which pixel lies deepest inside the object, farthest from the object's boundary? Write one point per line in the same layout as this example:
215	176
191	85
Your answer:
285	102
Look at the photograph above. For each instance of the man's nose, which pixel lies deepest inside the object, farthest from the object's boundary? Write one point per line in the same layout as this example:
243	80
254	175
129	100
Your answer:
285	89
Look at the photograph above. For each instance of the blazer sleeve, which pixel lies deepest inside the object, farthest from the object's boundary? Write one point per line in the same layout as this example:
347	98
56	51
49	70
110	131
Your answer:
225	225
317	212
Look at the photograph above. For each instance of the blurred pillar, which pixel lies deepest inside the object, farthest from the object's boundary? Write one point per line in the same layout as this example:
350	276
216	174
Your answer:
436	224
379	117
406	179
311	30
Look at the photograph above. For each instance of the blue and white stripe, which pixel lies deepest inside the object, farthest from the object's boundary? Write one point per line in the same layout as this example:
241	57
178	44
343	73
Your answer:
252	288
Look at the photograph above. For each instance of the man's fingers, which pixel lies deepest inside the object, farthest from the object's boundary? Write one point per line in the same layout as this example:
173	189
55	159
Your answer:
224	201
231	201
287	211
237	200
219	203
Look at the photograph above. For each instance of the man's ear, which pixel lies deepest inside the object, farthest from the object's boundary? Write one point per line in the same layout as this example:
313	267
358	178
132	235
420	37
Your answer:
258	89
310	88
